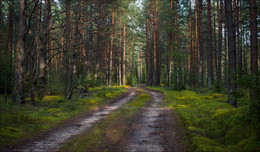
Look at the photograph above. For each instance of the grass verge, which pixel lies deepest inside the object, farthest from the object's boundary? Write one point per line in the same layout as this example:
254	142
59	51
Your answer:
22	121
212	124
106	135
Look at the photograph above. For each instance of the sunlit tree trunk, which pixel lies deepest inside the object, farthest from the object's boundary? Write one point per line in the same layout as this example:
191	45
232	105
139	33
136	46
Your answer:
147	53
123	56
111	50
18	89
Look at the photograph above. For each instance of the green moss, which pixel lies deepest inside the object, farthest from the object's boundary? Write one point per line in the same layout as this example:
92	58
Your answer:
51	98
213	124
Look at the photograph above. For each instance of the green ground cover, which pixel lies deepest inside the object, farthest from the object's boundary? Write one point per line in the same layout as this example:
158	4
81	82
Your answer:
22	121
105	135
212	124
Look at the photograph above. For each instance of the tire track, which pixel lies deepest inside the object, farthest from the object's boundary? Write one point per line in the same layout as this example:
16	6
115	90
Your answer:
149	132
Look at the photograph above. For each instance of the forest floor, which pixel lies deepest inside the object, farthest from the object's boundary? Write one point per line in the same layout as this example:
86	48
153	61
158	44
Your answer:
149	127
150	119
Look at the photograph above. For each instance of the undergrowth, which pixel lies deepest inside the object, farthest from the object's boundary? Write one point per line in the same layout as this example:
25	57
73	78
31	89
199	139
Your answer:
106	135
213	125
22	121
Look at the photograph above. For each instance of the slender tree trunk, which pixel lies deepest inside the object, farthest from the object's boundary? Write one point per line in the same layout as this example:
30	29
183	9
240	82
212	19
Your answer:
123	57
238	42
226	54
132	62
147	53
111	51
73	64
199	34
90	39
231	53
254	94
215	50
158	56
210	66
170	39
35	51
191	49
154	42
43	53
18	90
68	49
120	53
9	44
220	14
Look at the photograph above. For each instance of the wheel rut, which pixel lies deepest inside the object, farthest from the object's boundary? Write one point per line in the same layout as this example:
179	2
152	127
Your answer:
152	131
52	140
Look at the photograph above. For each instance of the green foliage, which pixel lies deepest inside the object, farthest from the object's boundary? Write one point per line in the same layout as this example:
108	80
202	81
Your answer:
105	135
218	87
213	124
19	121
6	74
129	81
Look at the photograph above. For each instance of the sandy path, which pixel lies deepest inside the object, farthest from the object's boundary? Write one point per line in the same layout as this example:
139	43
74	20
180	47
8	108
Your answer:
155	130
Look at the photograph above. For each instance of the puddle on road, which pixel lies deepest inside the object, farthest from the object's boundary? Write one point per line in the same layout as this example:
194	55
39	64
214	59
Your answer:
147	136
52	141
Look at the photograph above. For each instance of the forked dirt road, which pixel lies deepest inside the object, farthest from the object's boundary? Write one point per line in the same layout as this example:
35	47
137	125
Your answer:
153	129
53	139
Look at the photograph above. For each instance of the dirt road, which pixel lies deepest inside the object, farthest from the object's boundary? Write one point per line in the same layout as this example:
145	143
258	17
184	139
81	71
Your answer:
156	129
53	139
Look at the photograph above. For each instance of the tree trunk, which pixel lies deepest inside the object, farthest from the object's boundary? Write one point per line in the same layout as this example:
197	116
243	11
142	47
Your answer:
210	67
35	51
147	53
123	57
254	94
68	49
111	50
9	45
231	53
120	54
191	50
132	62
238	42
154	42
199	39
43	53
220	17
90	39
18	90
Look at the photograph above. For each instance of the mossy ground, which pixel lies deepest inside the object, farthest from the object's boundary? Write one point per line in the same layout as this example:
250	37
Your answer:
22	121
212	124
105	135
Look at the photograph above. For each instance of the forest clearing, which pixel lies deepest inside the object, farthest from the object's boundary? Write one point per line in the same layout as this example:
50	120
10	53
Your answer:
129	75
